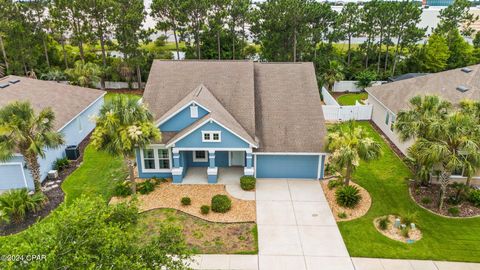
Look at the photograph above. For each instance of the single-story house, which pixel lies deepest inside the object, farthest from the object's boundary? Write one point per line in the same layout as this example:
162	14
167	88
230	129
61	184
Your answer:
261	119
73	107
388	99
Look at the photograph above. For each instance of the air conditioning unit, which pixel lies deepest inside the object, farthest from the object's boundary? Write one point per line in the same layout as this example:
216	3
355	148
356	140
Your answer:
72	152
52	174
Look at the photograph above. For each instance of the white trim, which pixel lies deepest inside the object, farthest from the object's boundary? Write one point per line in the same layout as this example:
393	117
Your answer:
211	133
255	164
249	171
177	171
289	153
209	149
88	107
195	159
21	169
155	155
319	166
205	122
159	123
193	111
212	171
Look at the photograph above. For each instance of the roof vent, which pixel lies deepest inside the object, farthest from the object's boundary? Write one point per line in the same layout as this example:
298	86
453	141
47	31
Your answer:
466	70
4	85
14	81
462	88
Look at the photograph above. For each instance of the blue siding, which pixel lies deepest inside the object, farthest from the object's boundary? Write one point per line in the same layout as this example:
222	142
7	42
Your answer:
287	166
221	158
11	175
182	120
229	140
73	133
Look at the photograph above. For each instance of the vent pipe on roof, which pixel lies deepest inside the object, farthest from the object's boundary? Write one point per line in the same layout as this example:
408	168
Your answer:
462	88
466	70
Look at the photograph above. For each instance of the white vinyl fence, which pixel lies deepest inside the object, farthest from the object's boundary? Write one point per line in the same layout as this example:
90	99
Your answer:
332	111
350	86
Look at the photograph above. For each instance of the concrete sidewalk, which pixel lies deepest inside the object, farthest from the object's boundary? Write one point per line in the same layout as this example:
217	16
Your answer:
251	262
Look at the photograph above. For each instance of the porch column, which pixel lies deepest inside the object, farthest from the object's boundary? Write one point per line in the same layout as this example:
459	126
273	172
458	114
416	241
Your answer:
212	171
249	170
177	171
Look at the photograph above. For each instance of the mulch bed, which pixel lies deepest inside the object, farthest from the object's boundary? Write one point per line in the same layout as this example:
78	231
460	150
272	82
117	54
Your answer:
352	213
395	233
432	191
55	197
126	91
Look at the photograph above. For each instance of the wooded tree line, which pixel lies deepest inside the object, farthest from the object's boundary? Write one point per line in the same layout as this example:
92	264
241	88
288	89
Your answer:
41	35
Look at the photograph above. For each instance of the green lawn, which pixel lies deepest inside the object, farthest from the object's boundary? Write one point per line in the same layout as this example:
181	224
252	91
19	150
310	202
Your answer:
95	176
385	179
349	99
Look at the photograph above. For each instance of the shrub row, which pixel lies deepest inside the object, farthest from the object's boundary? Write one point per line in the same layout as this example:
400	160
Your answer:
15	204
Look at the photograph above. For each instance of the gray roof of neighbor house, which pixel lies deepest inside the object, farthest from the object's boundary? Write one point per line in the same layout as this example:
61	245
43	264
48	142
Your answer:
273	105
396	95
66	101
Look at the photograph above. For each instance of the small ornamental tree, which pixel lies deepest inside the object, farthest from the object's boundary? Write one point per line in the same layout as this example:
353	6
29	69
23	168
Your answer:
349	145
24	131
122	126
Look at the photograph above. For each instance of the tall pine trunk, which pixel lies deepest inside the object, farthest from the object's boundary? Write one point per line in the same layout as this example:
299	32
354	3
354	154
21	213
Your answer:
139	77
82	53
4	53
197	39
218	45
349	50
176	39
62	41
45	50
379	57
295	45
386	58
104	61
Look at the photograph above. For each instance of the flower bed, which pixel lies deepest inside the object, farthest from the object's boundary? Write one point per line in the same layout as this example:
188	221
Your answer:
428	197
351	213
414	234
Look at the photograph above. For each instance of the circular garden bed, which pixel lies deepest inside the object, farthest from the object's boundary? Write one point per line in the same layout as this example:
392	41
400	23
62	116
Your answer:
455	204
342	213
398	229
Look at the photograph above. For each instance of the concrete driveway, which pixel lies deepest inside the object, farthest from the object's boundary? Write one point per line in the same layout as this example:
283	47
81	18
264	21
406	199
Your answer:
296	229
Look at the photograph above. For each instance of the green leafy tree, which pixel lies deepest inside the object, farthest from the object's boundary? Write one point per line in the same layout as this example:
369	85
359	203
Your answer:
169	16
457	16
460	50
123	126
350	144
25	131
196	15
53	75
84	74
365	79
323	23
476	40
349	21
332	73
238	14
445	139
436	54
217	20
91	234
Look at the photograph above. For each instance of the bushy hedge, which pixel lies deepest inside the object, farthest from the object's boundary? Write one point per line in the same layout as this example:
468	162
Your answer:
146	186
248	182
221	203
474	197
122	189
15	204
186	201
348	196
61	164
205	209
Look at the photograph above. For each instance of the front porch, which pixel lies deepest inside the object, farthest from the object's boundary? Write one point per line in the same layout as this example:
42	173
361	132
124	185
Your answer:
201	166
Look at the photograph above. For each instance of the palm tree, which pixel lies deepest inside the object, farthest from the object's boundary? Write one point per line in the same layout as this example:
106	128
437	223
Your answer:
22	130
2	71
84	74
53	75
349	145
122	126
472	162
332	74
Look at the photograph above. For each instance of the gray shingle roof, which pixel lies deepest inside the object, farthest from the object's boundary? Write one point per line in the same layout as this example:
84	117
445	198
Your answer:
396	95
67	101
274	104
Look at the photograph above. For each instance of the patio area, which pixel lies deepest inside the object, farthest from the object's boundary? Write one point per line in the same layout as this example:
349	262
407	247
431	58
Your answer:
226	176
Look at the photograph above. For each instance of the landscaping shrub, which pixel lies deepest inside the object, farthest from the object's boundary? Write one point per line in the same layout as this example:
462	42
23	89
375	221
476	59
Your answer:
122	189
405	232
342	215
221	203
205	209
186	201
348	196
146	186
15	204
334	183
248	182
61	163
408	218
474	197
123	214
383	223
426	200
454	211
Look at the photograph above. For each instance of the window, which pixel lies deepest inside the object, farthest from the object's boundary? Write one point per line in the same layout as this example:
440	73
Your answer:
200	156
194	111
156	159
387	118
211	136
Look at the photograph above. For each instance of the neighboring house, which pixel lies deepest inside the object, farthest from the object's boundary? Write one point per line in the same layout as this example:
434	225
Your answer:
263	117
388	99
73	106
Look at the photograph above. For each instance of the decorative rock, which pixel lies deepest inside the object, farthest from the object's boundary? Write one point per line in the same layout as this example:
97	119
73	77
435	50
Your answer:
403	226
412	225
55	186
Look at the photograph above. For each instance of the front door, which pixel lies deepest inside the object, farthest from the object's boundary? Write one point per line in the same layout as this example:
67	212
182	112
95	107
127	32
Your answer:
237	158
